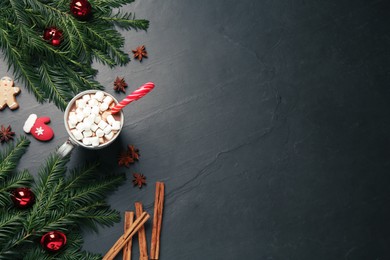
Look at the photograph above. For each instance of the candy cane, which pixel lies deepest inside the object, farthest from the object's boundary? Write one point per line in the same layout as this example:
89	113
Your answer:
137	94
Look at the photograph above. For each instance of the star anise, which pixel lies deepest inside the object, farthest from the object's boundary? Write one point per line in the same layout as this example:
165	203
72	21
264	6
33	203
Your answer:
120	84
6	134
129	156
134	152
139	180
140	53
125	159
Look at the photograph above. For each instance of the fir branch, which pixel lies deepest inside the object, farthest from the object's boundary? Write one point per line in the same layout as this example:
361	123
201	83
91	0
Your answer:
55	85
127	21
79	31
10	224
92	215
13	235
94	191
48	178
11	156
49	175
77	177
73	249
104	58
18	62
110	41
104	216
111	3
18	7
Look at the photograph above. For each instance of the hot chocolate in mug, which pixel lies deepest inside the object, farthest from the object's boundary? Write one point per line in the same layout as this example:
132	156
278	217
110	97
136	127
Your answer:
89	123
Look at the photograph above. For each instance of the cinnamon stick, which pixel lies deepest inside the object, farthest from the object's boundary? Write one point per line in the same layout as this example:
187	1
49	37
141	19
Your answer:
122	240
143	250
129	219
157	221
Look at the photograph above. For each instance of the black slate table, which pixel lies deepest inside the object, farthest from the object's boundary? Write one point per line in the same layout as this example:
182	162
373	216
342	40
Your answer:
269	125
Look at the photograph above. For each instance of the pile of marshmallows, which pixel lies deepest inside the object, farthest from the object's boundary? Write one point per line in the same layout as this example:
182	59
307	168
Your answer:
90	122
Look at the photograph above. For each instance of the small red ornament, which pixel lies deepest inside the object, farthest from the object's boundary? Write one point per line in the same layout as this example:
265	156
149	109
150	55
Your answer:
53	36
53	241
80	8
22	197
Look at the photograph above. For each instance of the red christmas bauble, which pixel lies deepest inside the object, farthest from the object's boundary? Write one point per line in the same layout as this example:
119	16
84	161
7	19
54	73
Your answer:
53	241
80	8
22	197
53	35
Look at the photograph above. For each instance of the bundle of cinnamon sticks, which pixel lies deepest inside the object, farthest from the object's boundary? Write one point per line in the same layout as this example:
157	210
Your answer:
131	227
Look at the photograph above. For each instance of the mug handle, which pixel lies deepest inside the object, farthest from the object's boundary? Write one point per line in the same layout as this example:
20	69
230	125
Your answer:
65	148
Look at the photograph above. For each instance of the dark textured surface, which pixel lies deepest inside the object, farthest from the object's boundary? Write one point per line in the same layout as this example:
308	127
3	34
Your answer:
269	125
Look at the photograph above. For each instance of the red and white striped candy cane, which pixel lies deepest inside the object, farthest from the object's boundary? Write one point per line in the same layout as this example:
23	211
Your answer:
137	94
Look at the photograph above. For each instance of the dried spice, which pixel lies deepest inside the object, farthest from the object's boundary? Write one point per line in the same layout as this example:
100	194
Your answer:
140	53
125	159
120	84
129	156
139	180
6	134
134	152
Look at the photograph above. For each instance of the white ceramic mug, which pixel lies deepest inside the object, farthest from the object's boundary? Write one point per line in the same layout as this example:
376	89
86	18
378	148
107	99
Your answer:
68	146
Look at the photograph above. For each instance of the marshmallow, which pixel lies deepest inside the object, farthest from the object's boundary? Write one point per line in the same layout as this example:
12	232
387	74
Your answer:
107	100
95	110
89	120
99	133
72	113
73	119
93	102
86	97
103	107
87	111
87	126
87	141
99	95
71	125
87	133
95	141
77	134
80	127
116	125
94	127
109	136
79	110
80	103
97	119
110	119
80	116
107	130
102	124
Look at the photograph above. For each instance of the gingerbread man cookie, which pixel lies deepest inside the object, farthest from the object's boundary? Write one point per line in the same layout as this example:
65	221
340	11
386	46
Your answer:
8	93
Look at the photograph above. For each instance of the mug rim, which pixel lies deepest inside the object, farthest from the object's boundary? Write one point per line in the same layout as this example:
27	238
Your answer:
67	110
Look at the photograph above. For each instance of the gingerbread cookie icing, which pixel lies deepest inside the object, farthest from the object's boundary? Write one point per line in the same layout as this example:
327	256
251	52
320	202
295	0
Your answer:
8	93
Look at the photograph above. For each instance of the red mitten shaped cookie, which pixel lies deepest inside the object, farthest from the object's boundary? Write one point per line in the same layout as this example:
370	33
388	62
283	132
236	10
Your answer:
38	128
